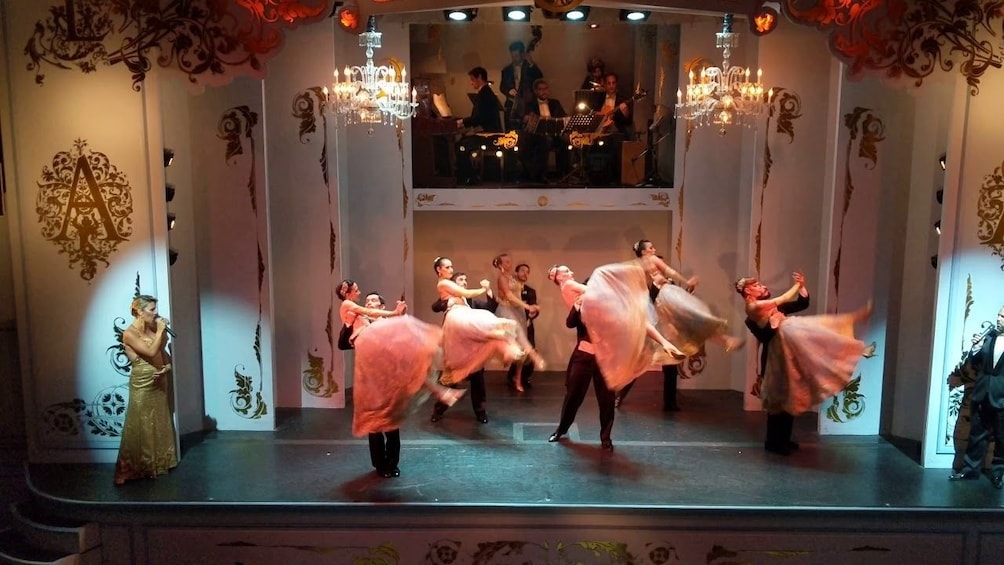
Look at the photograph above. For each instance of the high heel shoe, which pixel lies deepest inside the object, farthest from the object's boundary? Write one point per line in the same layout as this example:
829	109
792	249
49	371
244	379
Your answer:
518	384
733	343
870	350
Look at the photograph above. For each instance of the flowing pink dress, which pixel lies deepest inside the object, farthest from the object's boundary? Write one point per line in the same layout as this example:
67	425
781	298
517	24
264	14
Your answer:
809	360
394	358
615	310
472	336
685	320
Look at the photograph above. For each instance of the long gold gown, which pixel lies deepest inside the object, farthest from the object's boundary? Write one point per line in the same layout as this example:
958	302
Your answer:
395	357
147	447
809	360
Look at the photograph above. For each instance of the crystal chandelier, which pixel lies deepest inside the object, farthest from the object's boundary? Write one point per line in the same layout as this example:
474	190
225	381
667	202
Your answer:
370	94
723	96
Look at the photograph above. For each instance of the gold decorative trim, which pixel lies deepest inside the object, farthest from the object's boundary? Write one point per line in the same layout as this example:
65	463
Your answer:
990	212
787	107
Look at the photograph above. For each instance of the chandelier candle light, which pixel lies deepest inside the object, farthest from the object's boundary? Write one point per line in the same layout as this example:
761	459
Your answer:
723	96
370	94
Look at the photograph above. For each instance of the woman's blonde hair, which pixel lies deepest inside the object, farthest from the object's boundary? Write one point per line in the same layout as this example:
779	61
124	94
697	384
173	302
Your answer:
140	303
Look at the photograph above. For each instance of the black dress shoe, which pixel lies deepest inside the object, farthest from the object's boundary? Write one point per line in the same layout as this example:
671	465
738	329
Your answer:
964	476
607	445
784	449
390	473
554	437
671	408
793	445
482	417
997	479
436	416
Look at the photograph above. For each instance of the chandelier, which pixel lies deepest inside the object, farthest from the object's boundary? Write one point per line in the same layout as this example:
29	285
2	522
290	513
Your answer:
369	94
723	96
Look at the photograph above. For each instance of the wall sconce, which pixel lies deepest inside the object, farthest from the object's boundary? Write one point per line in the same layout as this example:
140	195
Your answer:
934	261
578	14
937	227
170	220
168	157
634	15
940	195
943	161
172	256
169	192
516	13
467	15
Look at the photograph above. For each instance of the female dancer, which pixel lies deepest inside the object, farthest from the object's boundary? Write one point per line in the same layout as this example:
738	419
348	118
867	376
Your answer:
355	317
512	307
472	336
147	447
684	319
813	357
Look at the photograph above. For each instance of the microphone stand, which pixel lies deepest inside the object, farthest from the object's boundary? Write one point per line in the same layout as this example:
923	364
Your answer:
651	154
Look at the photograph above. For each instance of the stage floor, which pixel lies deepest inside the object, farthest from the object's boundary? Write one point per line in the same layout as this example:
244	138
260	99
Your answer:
707	456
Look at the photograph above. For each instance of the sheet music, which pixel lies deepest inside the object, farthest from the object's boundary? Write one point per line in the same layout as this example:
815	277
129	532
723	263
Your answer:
442	107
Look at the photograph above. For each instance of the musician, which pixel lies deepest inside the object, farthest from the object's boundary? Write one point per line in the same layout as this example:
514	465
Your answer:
517	83
537	143
595	69
616	109
484	115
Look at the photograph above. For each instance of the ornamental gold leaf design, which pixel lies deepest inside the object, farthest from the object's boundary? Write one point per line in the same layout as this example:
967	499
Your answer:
84	206
990	212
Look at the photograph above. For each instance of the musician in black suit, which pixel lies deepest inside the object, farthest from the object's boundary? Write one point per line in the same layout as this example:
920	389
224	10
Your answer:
779	424
479	398
535	143
617	126
529	296
987	407
517	83
484	115
582	369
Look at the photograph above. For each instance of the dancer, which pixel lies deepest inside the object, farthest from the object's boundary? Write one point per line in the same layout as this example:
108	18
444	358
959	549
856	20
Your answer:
147	448
512	307
355	317
582	368
684	319
472	337
812	359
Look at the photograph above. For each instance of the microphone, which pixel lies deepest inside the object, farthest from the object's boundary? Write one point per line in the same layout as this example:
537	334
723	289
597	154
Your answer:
167	328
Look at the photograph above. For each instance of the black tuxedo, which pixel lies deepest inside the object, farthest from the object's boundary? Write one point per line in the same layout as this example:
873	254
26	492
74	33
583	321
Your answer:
779	425
529	296
535	147
524	90
582	369
987	407
485	113
479	397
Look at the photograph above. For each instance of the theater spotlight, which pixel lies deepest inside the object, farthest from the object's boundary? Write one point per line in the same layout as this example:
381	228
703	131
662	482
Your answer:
169	192
516	13
934	261
168	157
172	256
634	15
170	220
943	161
578	14
937	227
467	15
940	195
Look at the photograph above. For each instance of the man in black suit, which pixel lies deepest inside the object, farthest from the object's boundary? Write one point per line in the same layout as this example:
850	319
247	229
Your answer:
779	424
517	83
484	115
479	398
618	126
582	368
535	146
987	407
529	296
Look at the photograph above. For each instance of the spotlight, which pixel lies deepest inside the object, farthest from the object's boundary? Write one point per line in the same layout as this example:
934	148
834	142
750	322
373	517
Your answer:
940	195
578	14
934	261
168	157
461	15
169	192
943	161
594	25
937	227
634	15
172	256
516	14
170	220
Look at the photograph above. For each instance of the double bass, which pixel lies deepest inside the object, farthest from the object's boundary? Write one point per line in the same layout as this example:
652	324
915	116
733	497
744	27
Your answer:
515	104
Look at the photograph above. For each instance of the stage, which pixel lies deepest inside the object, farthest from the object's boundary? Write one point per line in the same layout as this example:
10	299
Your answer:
687	481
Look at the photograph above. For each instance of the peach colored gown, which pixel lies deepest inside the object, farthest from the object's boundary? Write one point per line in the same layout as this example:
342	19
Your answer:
685	320
472	336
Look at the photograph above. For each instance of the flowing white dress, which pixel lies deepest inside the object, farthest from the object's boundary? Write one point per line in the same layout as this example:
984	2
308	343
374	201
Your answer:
472	336
685	320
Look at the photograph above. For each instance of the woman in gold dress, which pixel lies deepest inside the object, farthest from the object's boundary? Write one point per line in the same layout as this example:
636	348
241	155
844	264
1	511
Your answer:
512	307
148	440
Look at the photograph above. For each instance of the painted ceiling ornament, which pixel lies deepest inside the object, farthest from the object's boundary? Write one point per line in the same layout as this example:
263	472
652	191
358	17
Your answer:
210	41
990	209
908	38
84	206
557	6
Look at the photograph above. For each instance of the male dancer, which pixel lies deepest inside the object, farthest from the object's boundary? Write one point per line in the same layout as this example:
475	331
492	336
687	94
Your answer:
529	296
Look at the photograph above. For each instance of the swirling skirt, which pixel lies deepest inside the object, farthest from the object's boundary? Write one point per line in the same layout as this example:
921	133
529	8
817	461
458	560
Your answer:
685	320
471	337
394	358
809	360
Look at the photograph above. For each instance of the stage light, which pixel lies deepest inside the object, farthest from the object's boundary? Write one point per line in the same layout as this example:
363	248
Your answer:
937	227
634	15
940	195
934	261
169	192
943	161
578	14
168	157
467	15
594	26
170	220
516	14
172	256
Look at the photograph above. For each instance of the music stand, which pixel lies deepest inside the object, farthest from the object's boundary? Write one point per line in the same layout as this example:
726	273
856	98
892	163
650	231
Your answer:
580	123
589	99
